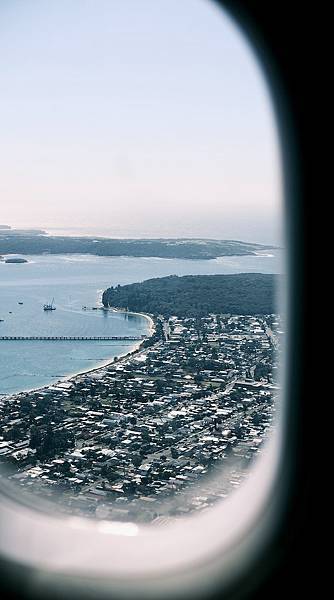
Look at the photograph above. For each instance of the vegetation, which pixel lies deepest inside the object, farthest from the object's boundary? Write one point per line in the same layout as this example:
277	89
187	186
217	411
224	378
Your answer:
34	243
48	441
197	295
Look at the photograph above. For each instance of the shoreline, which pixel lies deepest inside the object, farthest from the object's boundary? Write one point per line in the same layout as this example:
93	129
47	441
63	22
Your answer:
108	362
130	312
135	347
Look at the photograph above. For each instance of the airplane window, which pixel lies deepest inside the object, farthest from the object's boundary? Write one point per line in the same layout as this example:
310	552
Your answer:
142	270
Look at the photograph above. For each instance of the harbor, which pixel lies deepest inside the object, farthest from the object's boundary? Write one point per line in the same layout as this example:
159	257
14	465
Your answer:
77	281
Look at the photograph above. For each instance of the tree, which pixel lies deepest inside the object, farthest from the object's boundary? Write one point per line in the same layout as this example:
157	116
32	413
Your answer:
160	386
14	434
145	436
65	468
174	452
137	460
35	437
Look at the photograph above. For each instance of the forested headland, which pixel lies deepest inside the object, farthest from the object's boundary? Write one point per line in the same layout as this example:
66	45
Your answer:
197	295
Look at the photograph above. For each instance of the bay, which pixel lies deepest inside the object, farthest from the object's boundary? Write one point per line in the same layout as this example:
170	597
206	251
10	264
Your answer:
75	281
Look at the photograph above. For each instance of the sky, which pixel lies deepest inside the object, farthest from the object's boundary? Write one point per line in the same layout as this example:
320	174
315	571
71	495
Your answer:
135	118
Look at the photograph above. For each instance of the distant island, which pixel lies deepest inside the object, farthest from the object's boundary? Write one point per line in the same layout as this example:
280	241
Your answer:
7	230
37	242
197	295
15	260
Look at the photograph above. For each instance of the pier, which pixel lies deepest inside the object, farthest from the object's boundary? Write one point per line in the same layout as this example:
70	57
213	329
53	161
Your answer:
63	338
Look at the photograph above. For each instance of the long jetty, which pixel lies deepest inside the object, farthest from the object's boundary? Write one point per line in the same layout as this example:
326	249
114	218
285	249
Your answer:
103	338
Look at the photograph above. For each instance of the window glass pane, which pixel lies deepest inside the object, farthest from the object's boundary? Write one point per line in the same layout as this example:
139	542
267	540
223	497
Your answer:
142	266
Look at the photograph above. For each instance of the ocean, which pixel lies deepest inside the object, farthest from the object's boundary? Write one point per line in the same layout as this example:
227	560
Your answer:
75	281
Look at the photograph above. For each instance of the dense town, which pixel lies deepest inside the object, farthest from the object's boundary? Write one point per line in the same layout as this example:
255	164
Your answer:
167	430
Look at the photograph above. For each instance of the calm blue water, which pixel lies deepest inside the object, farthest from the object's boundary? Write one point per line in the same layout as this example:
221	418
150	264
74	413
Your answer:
75	281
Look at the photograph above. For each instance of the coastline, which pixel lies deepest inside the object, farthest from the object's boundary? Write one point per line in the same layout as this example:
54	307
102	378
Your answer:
74	367
126	312
137	314
108	362
135	349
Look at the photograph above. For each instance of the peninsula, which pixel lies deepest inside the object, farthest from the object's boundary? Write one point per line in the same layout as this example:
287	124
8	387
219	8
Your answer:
37	242
167	430
197	295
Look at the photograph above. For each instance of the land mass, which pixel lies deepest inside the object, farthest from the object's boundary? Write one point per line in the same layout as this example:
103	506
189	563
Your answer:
169	429
7	230
15	260
36	242
197	295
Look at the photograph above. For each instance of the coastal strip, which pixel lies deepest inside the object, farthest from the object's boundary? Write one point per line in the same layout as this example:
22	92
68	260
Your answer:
102	365
122	357
137	314
154	436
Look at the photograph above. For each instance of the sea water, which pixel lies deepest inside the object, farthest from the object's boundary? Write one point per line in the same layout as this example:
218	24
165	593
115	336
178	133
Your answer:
75	281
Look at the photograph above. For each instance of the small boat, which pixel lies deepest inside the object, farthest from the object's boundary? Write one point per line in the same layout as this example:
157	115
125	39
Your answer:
49	306
20	302
1	320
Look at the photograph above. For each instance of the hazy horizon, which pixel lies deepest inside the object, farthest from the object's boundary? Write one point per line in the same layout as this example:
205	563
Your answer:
137	119
110	233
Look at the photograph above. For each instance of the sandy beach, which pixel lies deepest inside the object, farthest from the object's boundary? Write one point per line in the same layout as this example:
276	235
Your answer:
130	312
134	349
